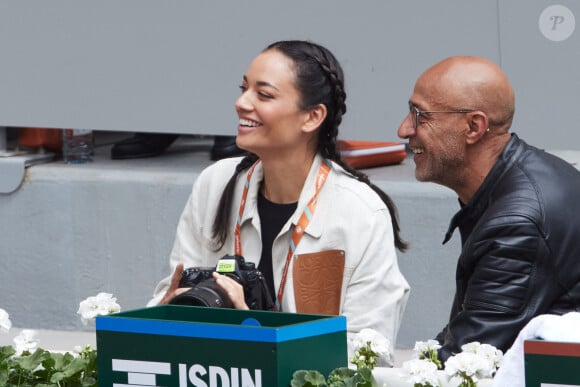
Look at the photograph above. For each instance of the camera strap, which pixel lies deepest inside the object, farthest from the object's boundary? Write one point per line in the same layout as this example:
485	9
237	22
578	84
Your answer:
298	229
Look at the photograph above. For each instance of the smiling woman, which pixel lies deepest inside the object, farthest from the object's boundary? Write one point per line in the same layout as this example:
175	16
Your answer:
272	123
322	236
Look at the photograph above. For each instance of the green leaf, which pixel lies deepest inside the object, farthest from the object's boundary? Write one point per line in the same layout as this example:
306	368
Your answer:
366	373
89	382
3	377
347	377
67	369
32	361
48	369
341	373
61	360
307	378
6	352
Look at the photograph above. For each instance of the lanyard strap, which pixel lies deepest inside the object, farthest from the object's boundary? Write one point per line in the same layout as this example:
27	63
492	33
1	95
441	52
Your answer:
297	231
237	237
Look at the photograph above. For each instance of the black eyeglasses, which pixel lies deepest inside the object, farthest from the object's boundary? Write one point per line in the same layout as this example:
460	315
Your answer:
415	113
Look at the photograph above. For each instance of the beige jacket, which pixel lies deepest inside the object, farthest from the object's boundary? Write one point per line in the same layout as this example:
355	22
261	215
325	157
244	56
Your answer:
346	261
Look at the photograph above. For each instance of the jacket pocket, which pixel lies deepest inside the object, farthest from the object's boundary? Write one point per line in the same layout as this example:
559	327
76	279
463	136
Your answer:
318	281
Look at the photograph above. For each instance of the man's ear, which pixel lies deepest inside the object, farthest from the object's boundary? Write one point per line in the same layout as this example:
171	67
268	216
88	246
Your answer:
478	126
314	118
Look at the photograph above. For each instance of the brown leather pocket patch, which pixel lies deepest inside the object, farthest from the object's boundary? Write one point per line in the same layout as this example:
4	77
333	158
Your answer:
318	281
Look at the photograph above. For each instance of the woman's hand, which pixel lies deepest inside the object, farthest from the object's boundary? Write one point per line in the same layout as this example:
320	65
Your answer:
174	289
233	289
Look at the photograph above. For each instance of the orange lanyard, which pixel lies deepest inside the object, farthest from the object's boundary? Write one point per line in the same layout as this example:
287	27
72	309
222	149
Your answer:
297	231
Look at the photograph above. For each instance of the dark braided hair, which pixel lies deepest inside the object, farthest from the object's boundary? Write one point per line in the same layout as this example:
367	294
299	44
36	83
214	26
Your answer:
319	80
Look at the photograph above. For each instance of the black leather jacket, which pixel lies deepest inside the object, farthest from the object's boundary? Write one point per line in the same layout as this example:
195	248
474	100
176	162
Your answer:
520	257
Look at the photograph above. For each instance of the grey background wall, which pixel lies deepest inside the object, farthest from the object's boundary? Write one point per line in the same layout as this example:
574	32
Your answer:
150	65
174	66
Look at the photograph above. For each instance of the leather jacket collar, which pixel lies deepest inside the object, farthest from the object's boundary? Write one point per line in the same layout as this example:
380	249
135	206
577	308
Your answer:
466	216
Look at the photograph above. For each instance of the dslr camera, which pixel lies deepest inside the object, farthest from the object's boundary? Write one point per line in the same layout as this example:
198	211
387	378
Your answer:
206	292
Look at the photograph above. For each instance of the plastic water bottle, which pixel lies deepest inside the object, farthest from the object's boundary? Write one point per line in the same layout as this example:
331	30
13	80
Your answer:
77	146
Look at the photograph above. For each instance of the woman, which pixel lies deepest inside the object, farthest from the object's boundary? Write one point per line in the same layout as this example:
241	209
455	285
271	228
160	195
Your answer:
343	229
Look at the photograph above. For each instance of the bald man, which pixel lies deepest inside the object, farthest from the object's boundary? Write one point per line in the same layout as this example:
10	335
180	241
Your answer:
520	207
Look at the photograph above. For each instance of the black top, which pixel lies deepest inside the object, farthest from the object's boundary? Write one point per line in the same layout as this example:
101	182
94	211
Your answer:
519	249
273	217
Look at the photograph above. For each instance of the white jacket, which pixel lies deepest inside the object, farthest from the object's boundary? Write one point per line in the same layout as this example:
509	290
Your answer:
349	217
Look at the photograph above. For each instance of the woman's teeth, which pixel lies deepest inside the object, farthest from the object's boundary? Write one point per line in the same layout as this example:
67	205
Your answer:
244	122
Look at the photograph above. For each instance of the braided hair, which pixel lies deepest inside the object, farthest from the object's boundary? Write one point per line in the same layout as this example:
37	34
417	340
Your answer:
319	80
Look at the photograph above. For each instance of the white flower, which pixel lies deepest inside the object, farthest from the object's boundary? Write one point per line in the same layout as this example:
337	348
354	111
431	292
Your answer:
5	323
472	347
79	350
467	365
370	346
426	346
421	372
25	341
427	350
100	305
379	343
488	352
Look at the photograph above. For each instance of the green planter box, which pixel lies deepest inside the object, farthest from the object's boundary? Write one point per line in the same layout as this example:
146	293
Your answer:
554	364
180	346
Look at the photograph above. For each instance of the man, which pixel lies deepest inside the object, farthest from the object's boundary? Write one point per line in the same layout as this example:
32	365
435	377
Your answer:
520	207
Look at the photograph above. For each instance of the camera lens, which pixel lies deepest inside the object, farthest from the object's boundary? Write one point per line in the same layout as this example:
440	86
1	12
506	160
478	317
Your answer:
206	293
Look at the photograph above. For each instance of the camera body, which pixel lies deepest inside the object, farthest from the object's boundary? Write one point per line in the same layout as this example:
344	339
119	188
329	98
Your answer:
206	292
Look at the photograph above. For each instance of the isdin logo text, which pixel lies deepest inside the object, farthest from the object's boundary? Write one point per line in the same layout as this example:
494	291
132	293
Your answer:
144	373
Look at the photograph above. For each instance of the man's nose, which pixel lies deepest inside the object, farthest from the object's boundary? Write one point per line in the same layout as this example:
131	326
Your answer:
406	129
